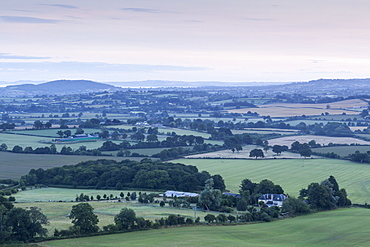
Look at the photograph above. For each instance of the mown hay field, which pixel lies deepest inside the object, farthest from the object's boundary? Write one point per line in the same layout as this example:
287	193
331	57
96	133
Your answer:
343	227
291	174
296	109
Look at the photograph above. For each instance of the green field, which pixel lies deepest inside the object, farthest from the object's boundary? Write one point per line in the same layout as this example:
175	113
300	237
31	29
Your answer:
48	200
51	132
291	174
342	150
343	227
15	165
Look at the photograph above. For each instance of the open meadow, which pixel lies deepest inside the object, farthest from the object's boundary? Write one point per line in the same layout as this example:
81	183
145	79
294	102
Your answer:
342	227
291	174
56	204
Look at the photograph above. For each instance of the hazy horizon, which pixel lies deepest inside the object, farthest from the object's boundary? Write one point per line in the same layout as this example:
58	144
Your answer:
205	40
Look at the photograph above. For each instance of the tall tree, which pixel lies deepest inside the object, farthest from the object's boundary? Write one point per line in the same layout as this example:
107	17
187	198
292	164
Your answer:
84	219
210	198
125	219
26	224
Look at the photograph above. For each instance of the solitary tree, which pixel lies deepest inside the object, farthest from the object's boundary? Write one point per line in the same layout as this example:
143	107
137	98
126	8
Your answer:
256	153
83	218
125	219
305	152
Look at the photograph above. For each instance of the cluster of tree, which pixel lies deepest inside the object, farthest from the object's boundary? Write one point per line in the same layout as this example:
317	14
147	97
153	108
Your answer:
360	157
304	149
40	125
325	196
7	126
100	174
330	129
18	224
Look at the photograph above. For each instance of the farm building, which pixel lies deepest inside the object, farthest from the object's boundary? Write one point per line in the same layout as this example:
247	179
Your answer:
77	138
233	194
273	199
172	193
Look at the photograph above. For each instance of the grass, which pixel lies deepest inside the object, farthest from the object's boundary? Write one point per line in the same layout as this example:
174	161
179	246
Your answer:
48	200
15	165
342	150
344	227
291	174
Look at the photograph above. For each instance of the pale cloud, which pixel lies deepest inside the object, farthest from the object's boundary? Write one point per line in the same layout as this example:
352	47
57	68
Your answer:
96	67
65	6
9	56
26	19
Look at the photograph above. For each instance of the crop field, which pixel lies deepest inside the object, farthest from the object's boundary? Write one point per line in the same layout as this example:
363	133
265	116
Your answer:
291	174
14	165
295	109
342	150
323	140
343	227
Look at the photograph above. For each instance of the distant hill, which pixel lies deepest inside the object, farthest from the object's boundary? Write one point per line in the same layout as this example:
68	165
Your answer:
330	87
58	87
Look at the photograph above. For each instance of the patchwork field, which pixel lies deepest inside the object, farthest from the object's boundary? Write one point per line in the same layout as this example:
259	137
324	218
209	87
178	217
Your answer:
344	227
323	140
349	107
291	174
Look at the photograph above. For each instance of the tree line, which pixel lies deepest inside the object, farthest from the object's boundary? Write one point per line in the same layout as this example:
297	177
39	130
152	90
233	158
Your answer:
104	174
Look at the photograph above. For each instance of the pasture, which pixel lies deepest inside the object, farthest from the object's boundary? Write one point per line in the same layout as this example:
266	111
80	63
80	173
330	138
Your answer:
349	107
342	150
105	209
342	227
15	165
291	174
323	140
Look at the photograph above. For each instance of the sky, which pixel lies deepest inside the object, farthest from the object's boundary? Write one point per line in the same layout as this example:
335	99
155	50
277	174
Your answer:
234	41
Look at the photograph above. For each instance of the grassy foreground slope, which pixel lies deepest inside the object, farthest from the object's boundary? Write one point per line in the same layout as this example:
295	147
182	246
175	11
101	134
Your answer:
291	174
343	227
